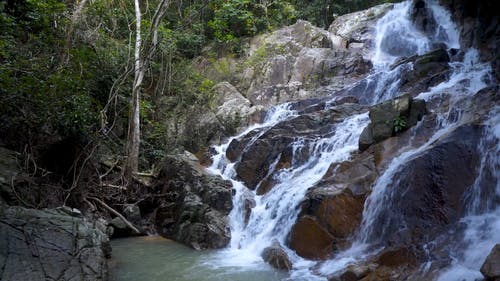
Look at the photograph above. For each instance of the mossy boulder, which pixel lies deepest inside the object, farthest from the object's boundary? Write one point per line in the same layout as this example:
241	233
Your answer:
391	117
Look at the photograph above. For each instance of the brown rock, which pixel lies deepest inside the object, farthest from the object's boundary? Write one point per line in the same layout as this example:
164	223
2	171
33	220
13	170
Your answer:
491	266
356	272
310	240
427	192
397	257
341	214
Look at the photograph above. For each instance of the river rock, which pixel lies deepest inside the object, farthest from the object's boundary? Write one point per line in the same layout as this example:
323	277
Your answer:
479	27
310	240
491	266
357	175
119	228
276	256
327	219
355	272
391	117
132	213
197	212
51	245
427	191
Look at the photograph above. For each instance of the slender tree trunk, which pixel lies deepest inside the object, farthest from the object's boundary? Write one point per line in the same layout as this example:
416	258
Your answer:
134	129
142	55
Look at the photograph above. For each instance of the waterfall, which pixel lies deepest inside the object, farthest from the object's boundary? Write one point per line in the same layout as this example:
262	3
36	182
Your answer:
483	211
274	213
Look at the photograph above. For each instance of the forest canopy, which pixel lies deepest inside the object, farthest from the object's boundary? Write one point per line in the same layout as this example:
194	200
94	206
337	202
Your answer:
66	66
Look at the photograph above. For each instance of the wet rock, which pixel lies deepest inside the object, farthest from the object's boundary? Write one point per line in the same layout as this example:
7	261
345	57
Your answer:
391	117
491	266
248	204
353	29
422	17
327	219
366	138
427	191
51	245
258	157
310	240
433	62
357	175
356	272
197	212
397	257
276	256
479	27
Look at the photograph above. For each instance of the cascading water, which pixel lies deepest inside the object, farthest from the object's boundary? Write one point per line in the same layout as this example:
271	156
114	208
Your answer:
275	212
483	211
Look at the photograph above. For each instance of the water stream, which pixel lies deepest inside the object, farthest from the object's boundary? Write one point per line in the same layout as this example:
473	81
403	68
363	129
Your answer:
158	259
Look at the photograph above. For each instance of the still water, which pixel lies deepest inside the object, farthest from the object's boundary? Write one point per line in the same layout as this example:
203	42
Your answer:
158	259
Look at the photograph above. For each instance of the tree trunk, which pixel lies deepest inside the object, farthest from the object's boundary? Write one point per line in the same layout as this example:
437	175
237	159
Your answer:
134	129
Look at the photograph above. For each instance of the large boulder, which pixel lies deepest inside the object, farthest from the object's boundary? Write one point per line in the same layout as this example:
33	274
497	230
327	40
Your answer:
310	240
233	109
426	192
391	117
328	218
196	213
491	266
51	245
296	62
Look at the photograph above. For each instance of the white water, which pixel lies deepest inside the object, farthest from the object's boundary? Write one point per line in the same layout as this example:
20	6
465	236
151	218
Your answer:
483	219
275	212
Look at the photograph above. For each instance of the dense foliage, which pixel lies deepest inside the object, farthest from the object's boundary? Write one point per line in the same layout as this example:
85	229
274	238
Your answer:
68	73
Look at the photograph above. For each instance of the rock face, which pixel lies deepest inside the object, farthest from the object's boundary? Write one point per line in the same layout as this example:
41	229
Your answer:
354	31
491	266
51	245
430	188
234	109
298	62
479	27
197	213
391	117
276	256
276	145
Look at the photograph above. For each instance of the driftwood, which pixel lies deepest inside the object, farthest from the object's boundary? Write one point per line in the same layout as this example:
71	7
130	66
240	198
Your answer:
106	206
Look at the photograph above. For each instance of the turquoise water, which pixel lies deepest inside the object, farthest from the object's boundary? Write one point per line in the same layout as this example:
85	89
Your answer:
159	259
